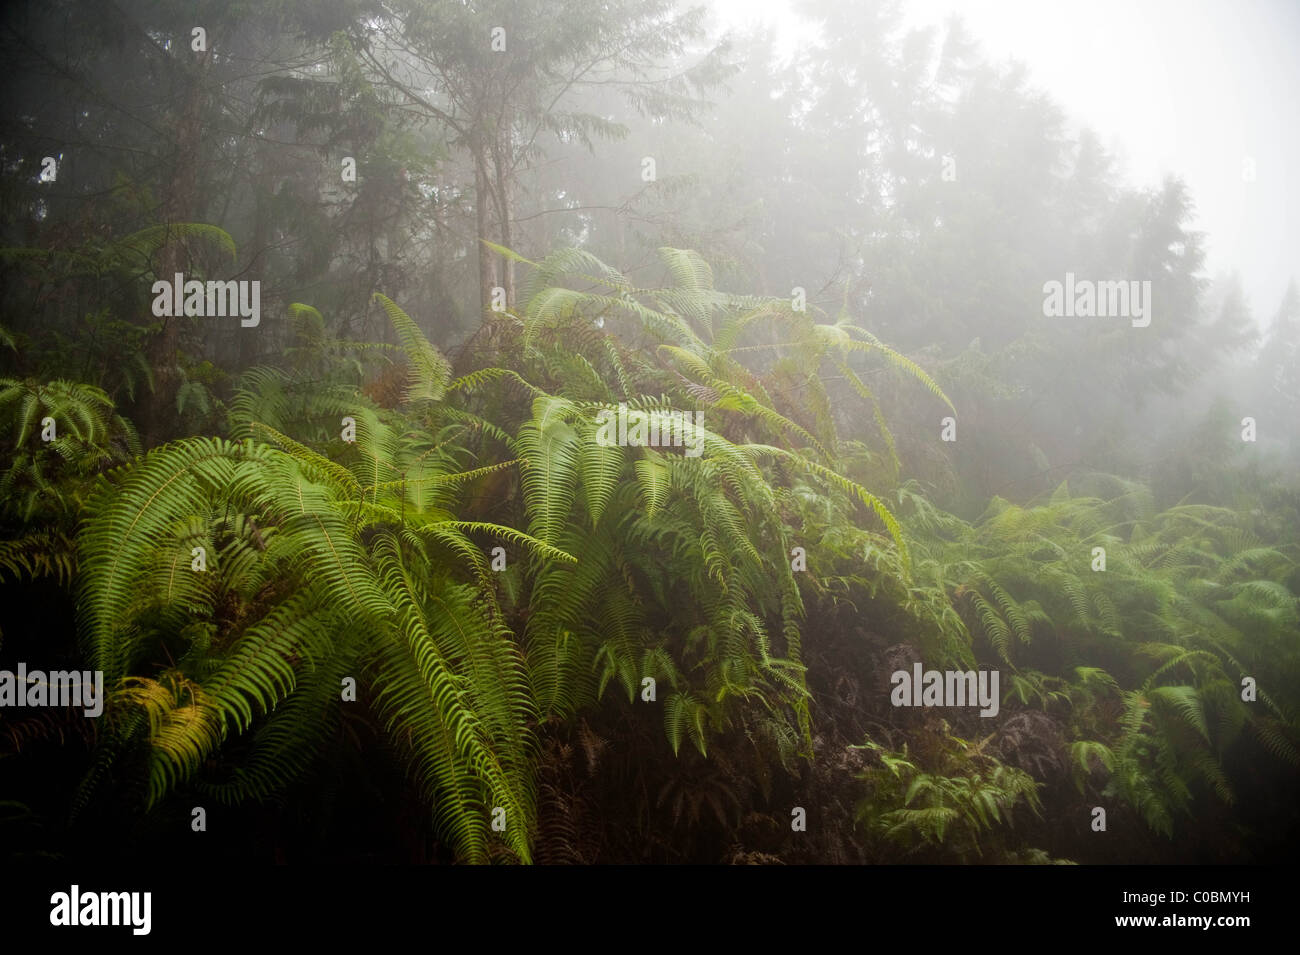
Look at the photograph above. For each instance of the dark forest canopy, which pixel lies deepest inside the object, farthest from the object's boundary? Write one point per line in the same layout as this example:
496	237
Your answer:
538	431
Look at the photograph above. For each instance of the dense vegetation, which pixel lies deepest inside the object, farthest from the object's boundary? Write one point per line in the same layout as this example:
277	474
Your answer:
363	576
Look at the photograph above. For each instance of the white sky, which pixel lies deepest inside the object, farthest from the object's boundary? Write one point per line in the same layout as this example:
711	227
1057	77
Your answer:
1190	87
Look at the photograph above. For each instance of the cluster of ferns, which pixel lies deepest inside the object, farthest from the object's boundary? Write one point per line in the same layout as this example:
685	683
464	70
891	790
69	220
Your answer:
348	535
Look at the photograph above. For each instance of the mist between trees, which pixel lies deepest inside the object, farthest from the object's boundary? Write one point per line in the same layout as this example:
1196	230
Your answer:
538	431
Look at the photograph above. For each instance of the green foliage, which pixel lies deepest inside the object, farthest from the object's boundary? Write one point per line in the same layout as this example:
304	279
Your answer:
228	587
1188	604
326	559
953	806
63	431
315	570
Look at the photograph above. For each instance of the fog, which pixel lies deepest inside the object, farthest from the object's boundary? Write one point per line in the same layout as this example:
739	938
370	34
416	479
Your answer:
1193	89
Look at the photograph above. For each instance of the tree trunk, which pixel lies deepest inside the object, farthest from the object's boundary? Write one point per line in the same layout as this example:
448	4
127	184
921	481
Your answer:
180	204
486	267
507	233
